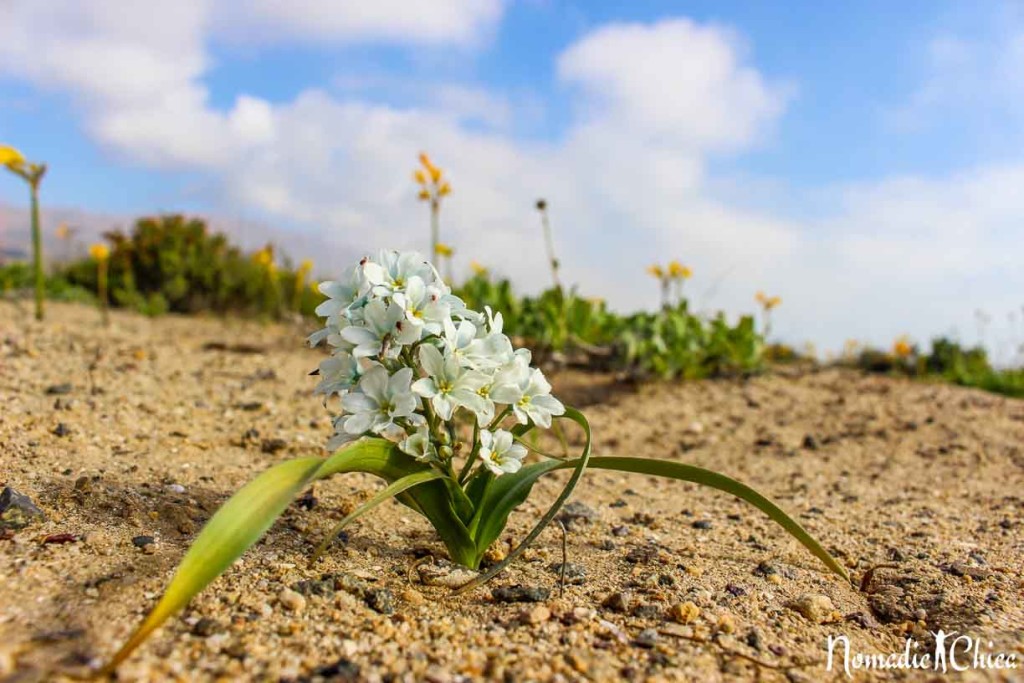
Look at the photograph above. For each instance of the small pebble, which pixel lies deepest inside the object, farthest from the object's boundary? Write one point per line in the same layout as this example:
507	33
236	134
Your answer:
647	639
380	600
620	601
813	607
17	510
684	612
206	627
537	615
520	593
413	596
292	601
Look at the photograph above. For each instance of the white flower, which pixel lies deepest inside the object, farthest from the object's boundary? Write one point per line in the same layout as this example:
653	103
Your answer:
339	373
383	332
465	343
379	401
419	446
499	453
426	307
530	397
448	385
393	270
342	295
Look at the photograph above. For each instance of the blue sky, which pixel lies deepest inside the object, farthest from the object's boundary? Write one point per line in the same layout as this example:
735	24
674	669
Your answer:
832	152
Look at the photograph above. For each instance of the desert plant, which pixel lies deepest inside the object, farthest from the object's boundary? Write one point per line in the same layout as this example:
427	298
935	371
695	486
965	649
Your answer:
31	173
768	304
437	403
433	188
100	253
549	242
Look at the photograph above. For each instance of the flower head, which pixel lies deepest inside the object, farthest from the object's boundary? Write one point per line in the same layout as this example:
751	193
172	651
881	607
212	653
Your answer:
408	358
655	271
499	453
380	400
679	271
99	252
443	249
902	348
11	157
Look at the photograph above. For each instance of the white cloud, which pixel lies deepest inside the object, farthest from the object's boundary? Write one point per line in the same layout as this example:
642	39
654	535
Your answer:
333	21
675	82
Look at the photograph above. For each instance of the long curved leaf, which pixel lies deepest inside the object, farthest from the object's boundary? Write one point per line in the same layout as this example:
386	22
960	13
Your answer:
390	491
699	475
509	490
238	524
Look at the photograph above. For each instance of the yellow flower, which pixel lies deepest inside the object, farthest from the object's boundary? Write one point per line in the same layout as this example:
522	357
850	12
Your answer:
761	298
445	189
423	194
63	231
435	174
419	176
99	251
306	266
773	302
655	271
425	160
477	268
443	249
264	257
10	157
902	348
678	270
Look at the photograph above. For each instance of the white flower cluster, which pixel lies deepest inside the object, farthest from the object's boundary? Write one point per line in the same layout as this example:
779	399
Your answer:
408	356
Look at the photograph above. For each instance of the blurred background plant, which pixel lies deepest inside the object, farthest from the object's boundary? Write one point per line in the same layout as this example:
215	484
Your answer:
32	174
100	253
175	264
433	188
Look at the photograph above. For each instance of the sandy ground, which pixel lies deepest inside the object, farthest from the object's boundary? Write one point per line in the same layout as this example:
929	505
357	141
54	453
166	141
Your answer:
667	581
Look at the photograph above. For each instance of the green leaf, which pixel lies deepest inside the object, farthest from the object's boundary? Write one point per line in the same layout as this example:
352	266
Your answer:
509	490
392	490
238	524
699	475
431	499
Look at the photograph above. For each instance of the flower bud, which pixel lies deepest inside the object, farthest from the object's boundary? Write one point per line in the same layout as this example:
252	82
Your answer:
446	452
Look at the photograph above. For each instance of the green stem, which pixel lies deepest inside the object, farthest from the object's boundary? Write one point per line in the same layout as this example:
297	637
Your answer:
473	454
102	290
435	227
37	246
550	243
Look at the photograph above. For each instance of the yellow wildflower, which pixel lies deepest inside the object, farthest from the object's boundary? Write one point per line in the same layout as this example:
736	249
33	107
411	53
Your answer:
655	270
264	257
10	157
419	176
445	189
902	348
477	268
99	251
443	249
678	270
